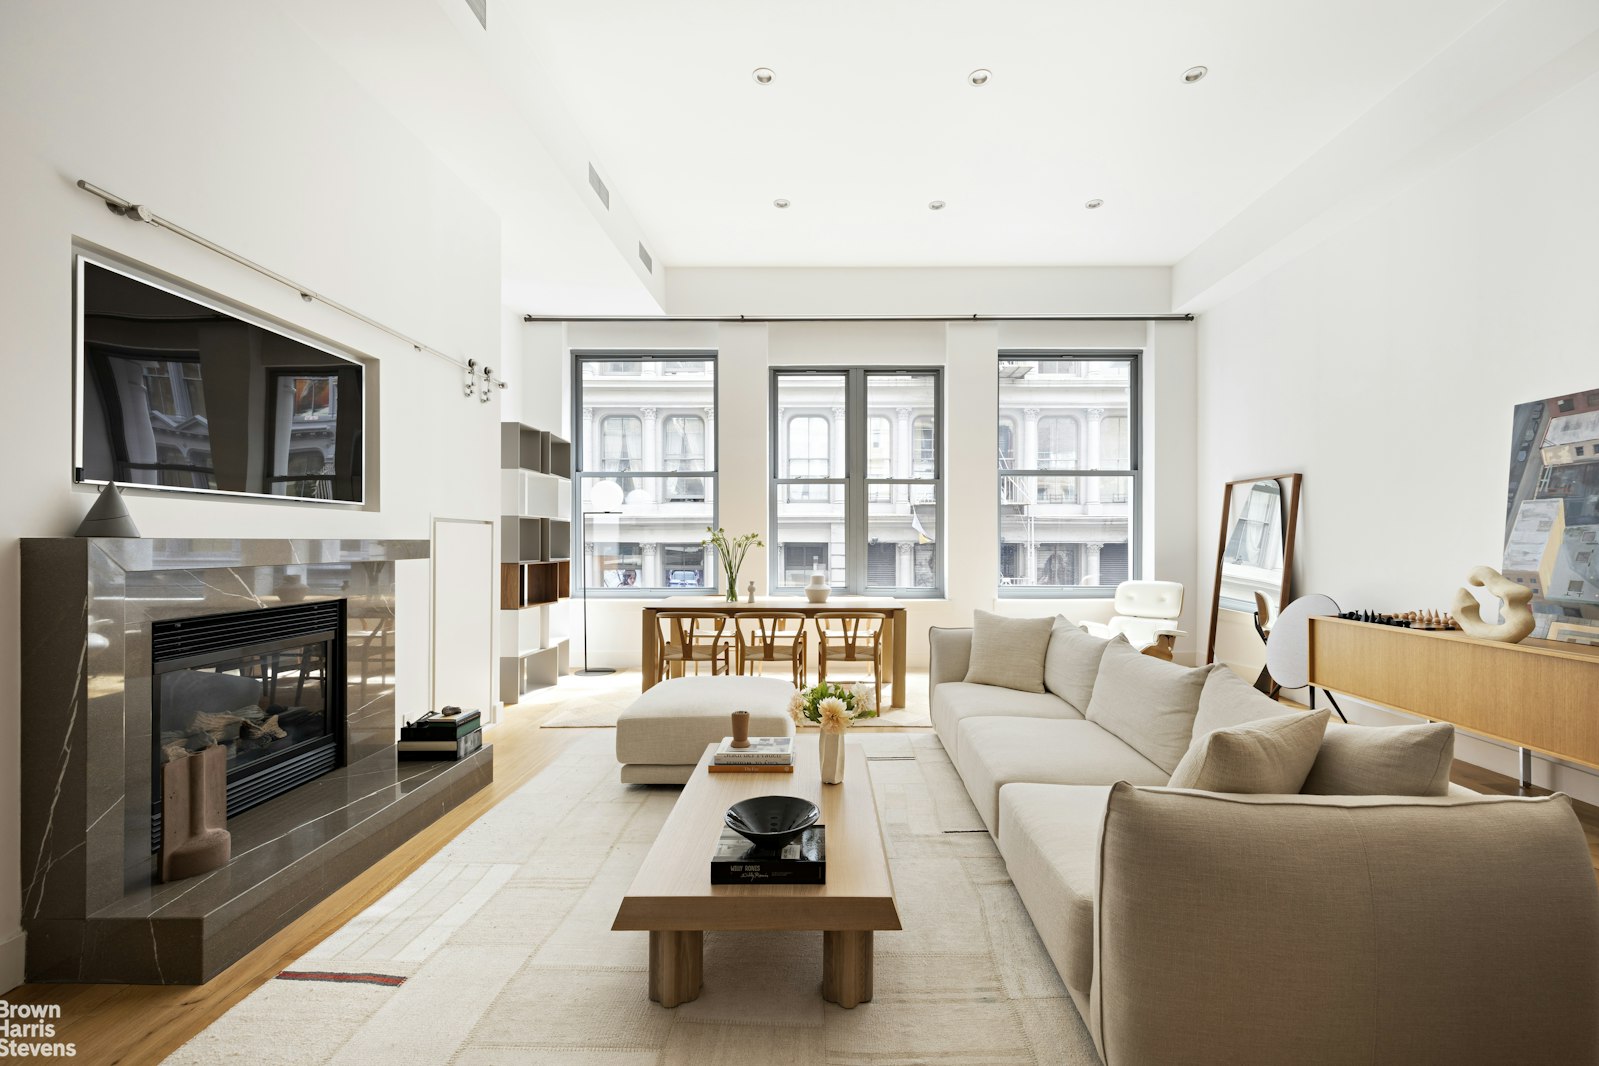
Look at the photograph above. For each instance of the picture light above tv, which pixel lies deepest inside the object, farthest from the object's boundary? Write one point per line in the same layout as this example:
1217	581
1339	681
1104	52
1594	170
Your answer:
178	392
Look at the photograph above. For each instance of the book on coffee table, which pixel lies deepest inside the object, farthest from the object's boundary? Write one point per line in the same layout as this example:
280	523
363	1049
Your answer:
802	862
750	768
762	751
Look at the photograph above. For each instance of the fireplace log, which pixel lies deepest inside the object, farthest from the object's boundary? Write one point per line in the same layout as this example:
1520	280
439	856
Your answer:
262	734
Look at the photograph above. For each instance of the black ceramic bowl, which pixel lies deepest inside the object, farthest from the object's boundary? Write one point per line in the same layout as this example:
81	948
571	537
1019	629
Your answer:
771	821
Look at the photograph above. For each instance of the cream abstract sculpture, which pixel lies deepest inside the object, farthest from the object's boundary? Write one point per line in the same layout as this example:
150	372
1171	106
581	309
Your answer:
1518	623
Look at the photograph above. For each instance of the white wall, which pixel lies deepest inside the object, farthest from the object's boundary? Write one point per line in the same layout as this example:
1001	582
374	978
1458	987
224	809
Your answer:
968	352
1116	290
1383	364
227	120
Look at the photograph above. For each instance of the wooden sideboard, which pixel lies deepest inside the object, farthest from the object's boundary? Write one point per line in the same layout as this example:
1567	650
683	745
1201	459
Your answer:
1539	695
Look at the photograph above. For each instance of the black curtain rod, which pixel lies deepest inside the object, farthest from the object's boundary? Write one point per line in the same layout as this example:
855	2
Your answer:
859	318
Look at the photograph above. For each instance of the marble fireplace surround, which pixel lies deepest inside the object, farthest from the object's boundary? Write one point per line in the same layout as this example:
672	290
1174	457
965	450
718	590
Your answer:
92	906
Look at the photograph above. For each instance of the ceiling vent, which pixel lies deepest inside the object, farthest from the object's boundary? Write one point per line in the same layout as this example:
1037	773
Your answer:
480	8
599	187
644	257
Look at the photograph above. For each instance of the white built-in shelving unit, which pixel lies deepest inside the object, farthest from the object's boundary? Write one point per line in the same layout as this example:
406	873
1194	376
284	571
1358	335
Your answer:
535	558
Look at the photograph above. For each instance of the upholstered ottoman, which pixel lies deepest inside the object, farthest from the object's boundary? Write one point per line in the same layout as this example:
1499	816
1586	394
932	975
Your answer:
660	739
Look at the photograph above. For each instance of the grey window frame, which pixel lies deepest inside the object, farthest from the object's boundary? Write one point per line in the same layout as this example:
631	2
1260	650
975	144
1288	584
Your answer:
713	570
1135	420
857	511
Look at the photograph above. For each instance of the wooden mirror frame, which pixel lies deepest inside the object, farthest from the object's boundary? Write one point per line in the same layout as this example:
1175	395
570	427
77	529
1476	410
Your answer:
1290	528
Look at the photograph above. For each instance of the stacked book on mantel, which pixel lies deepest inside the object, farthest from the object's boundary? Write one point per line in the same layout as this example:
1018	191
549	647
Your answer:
448	734
765	755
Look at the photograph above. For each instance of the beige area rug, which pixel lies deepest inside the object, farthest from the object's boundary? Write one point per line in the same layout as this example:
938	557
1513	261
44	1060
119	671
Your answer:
595	702
498	951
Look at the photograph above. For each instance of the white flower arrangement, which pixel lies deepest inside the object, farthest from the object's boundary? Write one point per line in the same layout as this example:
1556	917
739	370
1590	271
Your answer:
832	706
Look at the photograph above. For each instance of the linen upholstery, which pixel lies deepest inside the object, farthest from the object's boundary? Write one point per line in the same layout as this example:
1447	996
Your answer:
996	752
1009	652
1269	756
1048	837
1409	760
1148	703
949	655
1319	930
1228	700
956	701
657	774
1072	663
673	721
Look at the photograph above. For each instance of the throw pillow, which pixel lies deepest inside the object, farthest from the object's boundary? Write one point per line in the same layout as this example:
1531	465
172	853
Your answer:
1270	757
1229	700
1406	760
1009	652
1072	663
1147	703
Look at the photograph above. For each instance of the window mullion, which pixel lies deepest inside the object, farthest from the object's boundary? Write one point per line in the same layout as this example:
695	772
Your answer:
855	505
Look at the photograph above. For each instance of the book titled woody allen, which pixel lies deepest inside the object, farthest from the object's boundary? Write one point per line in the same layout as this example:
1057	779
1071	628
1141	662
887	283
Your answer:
802	862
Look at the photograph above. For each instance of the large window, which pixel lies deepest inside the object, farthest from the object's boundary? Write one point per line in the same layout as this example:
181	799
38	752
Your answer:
1068	472
646	453
857	477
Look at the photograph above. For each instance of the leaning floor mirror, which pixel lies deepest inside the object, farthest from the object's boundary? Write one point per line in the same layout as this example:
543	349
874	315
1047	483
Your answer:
1255	554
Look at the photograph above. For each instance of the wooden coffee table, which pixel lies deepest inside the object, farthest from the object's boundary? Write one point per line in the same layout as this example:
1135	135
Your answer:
673	899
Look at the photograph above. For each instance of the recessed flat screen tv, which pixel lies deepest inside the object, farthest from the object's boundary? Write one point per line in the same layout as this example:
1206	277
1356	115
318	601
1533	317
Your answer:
177	392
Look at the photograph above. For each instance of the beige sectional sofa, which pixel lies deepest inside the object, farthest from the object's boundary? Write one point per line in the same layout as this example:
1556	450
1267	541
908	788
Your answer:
1200	928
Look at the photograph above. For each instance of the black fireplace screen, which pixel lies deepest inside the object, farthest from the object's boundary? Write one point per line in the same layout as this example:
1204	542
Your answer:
267	686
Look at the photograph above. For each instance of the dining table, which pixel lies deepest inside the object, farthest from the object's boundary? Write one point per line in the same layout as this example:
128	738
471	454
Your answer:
893	626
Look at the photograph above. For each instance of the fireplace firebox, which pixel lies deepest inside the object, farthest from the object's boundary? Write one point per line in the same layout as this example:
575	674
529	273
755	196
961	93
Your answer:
268	686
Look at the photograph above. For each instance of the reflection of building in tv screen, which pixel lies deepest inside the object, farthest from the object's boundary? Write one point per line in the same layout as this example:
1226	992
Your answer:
180	395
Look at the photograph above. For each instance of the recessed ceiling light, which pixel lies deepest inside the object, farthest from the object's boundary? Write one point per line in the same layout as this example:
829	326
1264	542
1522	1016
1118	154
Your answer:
1193	74
780	203
1095	203
980	76
936	205
763	75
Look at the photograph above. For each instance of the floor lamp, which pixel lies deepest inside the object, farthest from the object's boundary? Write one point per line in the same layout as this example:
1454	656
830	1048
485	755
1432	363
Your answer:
583	568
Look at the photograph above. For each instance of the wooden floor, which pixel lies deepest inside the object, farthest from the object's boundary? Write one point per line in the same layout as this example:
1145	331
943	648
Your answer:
134	1024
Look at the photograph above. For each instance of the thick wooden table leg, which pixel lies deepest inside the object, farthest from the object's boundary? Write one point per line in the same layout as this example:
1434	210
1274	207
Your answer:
677	963
847	967
899	657
649	650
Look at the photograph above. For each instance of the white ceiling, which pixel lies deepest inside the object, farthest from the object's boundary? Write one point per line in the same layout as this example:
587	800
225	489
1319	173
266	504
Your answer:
871	116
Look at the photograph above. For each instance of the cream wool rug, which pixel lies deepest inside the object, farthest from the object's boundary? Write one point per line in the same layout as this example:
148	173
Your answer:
594	702
503	942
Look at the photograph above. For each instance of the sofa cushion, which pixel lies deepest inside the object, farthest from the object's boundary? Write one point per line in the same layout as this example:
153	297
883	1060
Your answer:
1228	700
1072	663
1271	756
1148	703
1049	837
1009	652
1407	760
996	752
954	702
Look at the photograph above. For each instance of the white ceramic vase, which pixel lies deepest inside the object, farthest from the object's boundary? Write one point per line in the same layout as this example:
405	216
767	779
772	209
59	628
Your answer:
831	748
816	589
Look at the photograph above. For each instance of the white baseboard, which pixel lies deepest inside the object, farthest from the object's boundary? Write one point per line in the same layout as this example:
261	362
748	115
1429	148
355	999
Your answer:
13	964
